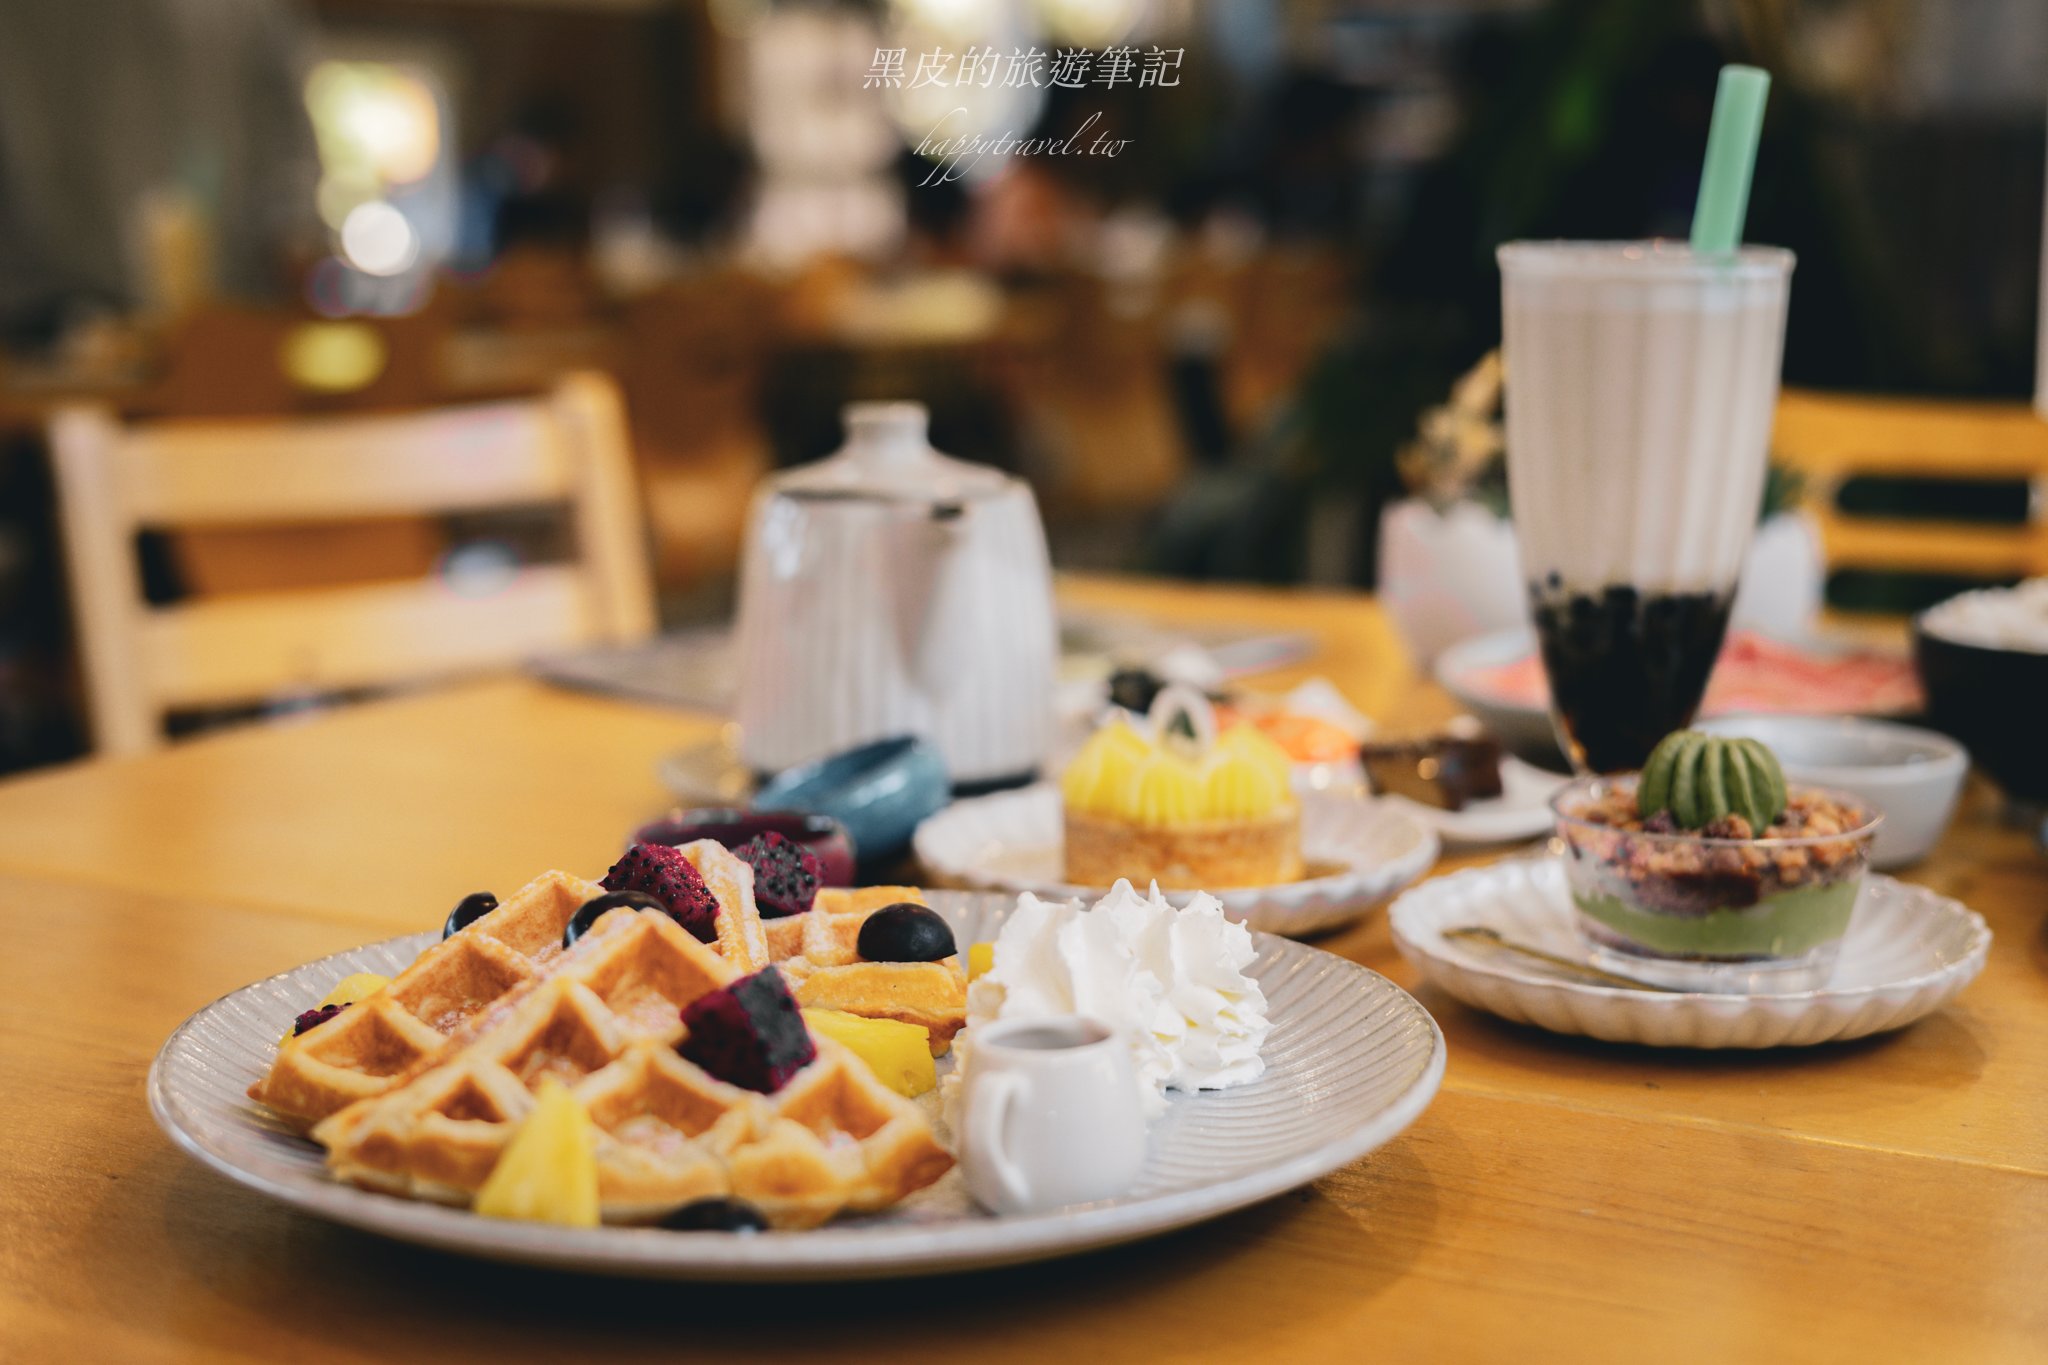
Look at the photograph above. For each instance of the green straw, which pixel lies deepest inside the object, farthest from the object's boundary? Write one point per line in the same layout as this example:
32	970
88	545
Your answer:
1731	156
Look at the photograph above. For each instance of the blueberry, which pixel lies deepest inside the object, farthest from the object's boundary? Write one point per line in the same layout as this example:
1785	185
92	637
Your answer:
594	909
905	932
716	1215
468	911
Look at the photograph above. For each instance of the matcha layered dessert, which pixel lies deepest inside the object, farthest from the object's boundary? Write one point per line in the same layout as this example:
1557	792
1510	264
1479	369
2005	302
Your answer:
1709	857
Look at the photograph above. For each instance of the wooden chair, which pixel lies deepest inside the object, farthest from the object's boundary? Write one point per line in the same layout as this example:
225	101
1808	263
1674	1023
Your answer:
568	447
1831	438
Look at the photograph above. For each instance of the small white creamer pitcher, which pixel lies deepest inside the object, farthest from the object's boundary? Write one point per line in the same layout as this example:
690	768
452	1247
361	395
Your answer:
1051	1115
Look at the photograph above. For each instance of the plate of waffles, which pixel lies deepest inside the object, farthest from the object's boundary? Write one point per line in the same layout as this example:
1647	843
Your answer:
416	1098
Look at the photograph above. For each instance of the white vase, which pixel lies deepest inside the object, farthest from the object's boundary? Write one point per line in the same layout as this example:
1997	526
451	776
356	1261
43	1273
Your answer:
1447	576
1782	579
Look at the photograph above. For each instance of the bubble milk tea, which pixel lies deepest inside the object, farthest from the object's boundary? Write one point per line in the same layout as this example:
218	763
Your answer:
1642	379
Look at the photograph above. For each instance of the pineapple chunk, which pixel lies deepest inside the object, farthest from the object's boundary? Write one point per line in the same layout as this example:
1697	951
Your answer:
899	1054
981	957
350	989
347	991
548	1171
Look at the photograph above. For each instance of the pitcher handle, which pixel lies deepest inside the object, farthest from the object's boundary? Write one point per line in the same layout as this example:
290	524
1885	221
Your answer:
988	1121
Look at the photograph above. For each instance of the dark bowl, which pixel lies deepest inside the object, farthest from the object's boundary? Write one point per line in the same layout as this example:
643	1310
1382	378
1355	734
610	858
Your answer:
821	834
1996	702
881	792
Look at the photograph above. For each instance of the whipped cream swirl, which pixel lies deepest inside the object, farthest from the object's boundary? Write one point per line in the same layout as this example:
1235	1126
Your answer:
1171	981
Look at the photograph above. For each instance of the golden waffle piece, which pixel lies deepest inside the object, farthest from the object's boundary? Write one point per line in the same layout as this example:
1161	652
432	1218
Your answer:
364	1050
606	1022
371	1045
820	954
742	939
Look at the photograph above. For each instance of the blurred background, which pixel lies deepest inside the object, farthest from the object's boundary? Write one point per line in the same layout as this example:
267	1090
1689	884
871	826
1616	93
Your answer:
1222	352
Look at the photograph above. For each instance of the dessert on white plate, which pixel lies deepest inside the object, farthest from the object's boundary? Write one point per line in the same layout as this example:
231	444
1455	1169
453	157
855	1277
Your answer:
1460	783
1181	800
1358	850
1171	982
1349	1061
1521	811
1908	952
1078	1024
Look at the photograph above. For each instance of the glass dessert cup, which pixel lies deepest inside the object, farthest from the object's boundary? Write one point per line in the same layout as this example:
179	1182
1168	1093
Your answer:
1745	916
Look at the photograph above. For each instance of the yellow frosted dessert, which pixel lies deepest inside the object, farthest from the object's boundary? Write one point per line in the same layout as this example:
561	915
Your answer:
1171	808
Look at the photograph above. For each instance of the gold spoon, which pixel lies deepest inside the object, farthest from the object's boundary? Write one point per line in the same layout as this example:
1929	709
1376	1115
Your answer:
1479	933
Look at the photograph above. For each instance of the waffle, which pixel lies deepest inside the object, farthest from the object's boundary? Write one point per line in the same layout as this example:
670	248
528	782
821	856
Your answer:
606	1022
819	952
742	939
363	1050
369	1046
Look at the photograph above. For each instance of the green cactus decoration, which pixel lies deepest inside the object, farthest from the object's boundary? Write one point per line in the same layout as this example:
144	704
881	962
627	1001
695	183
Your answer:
1701	778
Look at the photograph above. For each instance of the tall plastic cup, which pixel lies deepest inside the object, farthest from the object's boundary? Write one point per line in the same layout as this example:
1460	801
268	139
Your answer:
1642	380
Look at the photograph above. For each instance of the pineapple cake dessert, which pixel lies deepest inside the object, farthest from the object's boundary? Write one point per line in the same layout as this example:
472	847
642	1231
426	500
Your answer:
1177	802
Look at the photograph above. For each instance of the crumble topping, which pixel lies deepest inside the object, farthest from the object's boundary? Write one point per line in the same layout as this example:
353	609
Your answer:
1686	876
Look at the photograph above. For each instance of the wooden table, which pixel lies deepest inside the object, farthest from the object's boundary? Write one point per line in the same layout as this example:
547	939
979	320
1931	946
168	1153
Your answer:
1561	1200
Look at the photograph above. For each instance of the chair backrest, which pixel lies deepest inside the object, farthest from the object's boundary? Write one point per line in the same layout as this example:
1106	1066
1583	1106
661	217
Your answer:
1831	438
567	447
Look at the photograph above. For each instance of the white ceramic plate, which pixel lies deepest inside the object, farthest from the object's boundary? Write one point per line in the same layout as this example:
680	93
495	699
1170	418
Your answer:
1351	1061
1526	729
1908	952
1521	811
1012	842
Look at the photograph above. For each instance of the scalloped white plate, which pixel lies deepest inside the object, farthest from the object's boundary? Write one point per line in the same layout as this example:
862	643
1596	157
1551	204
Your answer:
1908	952
1521	811
1012	842
1352	1061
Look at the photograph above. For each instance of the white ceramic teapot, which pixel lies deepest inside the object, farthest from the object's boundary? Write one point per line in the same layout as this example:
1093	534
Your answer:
889	590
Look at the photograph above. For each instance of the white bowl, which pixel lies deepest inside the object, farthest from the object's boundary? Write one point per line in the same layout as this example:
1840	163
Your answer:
1912	775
